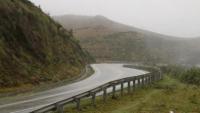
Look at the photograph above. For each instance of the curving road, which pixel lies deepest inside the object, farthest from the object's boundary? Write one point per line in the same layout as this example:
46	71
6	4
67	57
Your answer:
103	74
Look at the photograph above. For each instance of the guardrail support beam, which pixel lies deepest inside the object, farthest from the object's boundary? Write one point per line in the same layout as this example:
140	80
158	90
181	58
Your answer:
149	79
104	94
129	86
59	108
142	77
122	88
78	107
146	79
93	98
160	75
134	84
138	82
157	77
152	78
113	91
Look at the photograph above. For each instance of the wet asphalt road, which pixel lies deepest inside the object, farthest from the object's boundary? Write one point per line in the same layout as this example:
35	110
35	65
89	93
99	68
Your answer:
103	74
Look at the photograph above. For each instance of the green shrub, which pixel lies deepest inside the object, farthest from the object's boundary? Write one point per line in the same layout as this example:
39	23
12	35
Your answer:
191	76
174	70
184	74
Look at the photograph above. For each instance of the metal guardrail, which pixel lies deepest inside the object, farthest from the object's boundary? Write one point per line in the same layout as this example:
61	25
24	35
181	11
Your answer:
137	81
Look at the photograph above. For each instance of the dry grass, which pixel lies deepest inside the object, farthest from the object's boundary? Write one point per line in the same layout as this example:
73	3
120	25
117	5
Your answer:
167	95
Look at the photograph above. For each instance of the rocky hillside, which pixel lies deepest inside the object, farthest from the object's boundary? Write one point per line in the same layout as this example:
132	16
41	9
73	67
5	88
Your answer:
33	48
109	40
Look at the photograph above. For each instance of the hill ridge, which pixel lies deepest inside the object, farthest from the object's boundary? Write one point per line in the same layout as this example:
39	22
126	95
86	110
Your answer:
110	40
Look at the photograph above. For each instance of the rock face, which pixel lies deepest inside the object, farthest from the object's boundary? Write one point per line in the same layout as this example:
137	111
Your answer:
34	48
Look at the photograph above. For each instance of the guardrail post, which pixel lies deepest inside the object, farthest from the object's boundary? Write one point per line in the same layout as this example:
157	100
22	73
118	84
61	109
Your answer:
157	76
144	80
142	76
77	100
129	86
59	108
153	77
134	84
138	81
161	77
147	79
104	94
122	87
93	94
150	78
113	92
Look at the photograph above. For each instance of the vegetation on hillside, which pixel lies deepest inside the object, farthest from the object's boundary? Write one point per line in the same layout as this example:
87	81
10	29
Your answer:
184	74
132	46
107	40
191	76
33	48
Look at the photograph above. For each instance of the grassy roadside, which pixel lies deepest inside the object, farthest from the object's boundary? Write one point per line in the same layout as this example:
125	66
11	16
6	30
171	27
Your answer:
29	89
162	97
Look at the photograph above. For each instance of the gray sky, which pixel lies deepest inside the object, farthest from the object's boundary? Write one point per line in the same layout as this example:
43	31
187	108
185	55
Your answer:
172	17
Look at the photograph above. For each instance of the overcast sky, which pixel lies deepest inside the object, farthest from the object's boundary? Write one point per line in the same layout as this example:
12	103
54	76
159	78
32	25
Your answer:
172	17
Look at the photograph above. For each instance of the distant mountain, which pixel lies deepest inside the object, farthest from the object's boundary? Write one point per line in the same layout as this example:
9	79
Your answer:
34	48
93	26
86	26
109	40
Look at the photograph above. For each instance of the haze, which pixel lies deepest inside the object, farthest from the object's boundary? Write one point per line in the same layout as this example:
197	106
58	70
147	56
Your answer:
179	18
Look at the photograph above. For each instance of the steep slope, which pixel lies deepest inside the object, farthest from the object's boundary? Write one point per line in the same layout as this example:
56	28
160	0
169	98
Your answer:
109	40
34	48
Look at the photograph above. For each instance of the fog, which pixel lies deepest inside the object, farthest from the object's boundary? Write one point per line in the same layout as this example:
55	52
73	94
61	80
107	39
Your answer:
172	17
